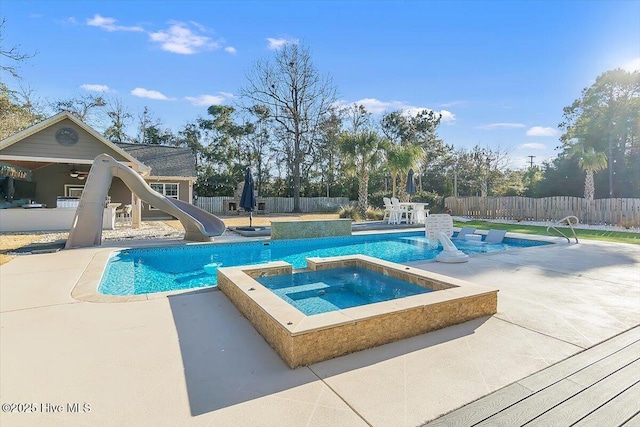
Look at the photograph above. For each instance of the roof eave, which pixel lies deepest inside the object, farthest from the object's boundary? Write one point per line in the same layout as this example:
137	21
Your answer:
170	178
7	142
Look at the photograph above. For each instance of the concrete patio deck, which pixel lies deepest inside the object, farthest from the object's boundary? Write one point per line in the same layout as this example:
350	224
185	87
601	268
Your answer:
191	359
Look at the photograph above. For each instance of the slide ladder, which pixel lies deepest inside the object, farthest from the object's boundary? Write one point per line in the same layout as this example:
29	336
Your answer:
436	223
567	220
86	229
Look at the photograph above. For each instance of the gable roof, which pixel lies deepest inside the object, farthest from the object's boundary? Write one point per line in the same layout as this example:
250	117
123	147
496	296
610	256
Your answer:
164	161
142	168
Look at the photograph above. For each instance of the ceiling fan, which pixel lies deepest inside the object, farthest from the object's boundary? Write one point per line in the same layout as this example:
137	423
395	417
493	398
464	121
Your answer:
75	173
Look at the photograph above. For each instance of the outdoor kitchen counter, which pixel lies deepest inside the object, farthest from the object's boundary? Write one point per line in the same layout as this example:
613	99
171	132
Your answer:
41	219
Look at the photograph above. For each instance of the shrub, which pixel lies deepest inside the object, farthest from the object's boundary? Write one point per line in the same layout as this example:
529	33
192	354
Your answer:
349	212
374	214
375	199
431	197
628	224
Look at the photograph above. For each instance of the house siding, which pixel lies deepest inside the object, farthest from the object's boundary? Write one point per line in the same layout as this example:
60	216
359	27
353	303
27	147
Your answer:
119	192
44	144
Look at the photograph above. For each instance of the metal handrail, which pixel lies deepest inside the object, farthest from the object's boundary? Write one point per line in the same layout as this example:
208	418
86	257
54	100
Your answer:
568	220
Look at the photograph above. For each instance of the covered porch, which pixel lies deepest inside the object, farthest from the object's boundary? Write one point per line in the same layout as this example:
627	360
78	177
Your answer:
43	171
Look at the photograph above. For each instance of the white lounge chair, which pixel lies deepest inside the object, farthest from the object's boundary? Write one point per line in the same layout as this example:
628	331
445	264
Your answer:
495	236
464	231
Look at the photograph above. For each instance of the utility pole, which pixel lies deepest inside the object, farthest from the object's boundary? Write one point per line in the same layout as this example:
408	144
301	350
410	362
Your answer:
455	183
531	160
610	161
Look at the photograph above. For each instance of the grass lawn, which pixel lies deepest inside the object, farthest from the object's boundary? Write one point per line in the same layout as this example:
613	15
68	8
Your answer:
608	236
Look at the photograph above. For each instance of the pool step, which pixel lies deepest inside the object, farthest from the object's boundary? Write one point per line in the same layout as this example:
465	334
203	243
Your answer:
316	286
299	293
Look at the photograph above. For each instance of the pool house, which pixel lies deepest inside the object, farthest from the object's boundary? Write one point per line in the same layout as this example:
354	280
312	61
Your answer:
44	167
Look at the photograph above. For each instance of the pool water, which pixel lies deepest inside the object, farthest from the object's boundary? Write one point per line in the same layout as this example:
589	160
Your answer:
150	270
316	292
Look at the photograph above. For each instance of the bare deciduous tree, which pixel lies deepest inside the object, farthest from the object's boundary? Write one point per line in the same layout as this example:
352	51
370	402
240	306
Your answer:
12	54
119	116
18	110
83	107
297	97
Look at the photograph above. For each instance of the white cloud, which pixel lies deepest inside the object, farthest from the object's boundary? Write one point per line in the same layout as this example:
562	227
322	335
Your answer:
199	26
109	24
151	94
71	20
275	44
207	100
633	65
494	126
230	49
542	131
447	116
179	38
377	107
95	88
459	103
532	146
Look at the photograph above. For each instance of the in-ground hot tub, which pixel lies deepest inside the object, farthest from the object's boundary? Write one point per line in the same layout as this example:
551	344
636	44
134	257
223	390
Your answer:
302	339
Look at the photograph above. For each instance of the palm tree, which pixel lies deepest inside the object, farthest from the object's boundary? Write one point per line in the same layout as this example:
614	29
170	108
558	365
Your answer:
590	161
363	151
401	158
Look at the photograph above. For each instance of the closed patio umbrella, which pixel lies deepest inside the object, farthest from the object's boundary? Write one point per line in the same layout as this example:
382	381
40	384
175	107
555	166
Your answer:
248	198
411	185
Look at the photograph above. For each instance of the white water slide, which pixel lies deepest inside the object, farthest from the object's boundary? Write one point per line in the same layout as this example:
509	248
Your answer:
86	229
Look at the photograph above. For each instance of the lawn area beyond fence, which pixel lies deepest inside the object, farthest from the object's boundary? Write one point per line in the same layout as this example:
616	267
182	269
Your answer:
622	212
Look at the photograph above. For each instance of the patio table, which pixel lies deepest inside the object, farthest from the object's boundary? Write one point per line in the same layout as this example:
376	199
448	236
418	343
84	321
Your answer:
415	217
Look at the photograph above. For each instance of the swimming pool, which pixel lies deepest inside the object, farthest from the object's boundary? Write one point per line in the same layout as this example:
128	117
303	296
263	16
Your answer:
150	270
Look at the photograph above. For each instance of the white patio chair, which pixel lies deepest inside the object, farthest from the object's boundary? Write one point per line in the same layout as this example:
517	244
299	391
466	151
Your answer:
124	214
388	209
420	213
399	213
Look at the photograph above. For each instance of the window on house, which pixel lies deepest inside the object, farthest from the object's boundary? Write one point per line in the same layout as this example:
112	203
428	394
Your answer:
73	190
169	189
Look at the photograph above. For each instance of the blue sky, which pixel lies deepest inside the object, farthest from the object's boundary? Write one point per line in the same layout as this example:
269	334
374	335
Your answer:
499	72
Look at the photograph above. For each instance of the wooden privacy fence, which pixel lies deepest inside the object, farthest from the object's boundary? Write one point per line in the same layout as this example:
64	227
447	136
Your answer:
600	211
279	204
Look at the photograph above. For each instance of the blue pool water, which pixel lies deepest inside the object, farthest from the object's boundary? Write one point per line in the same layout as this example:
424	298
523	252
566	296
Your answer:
149	270
317	292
